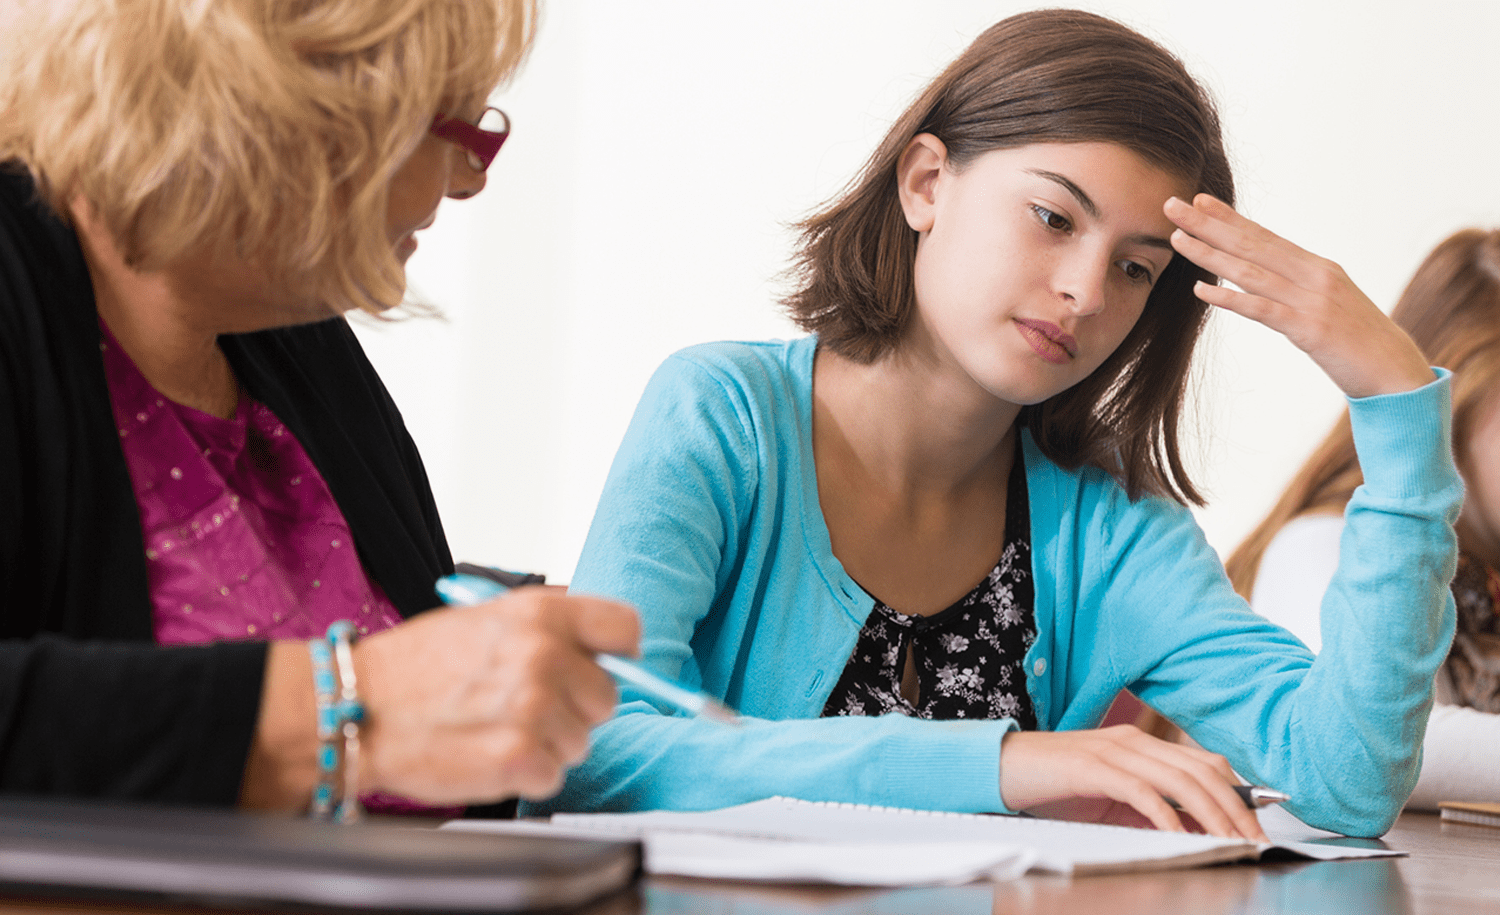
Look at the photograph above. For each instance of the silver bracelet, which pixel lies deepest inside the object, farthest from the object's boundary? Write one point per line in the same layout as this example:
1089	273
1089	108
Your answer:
340	713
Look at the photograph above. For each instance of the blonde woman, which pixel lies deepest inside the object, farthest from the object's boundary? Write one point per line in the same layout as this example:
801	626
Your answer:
1451	308
199	470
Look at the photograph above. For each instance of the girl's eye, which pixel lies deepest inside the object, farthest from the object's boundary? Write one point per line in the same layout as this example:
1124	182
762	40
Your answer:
1050	219
1136	272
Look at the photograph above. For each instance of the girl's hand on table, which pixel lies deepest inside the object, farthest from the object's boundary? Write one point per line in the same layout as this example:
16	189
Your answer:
1127	765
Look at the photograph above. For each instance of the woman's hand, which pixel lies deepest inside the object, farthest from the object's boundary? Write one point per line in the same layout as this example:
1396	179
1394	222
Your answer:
1127	765
1311	301
490	701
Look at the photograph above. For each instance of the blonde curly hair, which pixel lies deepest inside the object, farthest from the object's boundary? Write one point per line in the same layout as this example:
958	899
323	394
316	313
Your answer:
269	129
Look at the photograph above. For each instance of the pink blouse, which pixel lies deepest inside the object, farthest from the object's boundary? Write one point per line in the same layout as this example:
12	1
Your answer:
243	537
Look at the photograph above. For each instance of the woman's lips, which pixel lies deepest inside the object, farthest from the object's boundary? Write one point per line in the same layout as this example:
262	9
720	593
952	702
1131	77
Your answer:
1048	340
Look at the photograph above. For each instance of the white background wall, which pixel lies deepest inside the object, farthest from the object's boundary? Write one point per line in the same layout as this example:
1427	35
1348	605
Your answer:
661	147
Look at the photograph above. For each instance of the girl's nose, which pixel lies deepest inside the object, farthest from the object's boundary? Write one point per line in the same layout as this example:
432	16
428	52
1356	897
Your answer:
1081	282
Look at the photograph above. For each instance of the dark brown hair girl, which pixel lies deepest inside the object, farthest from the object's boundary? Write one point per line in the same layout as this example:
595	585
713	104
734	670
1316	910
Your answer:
1036	78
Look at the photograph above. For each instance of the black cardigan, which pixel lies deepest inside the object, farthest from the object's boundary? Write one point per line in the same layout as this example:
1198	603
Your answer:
89	704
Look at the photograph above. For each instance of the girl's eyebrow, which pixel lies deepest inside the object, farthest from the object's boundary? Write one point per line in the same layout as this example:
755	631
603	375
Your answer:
1092	208
1084	200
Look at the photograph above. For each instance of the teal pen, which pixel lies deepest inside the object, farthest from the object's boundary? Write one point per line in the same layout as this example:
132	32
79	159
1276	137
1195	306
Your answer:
462	590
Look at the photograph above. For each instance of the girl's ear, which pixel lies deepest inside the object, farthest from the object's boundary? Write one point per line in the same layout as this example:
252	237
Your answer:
917	172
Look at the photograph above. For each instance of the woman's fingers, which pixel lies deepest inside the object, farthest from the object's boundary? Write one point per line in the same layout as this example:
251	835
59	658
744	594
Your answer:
475	703
602	625
551	698
1131	767
570	631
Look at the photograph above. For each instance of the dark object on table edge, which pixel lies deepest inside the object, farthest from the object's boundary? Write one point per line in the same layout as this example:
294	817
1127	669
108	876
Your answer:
221	858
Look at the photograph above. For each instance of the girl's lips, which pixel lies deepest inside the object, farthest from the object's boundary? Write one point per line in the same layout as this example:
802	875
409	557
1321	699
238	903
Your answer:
1048	340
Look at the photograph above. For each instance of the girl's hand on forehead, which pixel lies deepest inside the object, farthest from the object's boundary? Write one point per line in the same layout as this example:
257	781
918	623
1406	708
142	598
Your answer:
1306	298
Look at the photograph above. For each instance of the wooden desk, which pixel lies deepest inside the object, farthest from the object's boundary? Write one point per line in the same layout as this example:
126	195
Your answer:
1451	869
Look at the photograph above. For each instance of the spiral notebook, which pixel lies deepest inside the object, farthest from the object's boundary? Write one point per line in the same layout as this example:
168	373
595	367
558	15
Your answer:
784	839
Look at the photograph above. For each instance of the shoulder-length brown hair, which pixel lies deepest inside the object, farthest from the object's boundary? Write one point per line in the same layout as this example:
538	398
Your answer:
1451	309
1049	76
267	129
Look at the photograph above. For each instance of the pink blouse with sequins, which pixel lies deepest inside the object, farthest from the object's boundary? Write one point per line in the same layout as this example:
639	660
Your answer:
243	538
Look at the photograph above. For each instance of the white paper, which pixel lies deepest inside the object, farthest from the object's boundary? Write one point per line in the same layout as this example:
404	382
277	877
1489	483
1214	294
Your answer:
685	854
1056	845
787	840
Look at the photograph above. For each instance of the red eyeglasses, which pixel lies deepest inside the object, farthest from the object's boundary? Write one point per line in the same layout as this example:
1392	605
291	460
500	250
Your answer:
480	141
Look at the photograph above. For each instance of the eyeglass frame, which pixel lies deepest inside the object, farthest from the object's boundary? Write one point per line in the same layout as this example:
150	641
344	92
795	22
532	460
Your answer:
480	146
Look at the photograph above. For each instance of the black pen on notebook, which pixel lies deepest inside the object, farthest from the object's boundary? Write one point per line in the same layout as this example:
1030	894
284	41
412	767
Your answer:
464	590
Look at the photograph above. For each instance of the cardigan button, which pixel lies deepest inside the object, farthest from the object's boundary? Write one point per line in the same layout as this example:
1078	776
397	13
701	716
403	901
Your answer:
1040	667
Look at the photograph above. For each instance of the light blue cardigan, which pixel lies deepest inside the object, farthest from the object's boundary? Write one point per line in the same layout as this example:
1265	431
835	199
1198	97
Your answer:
710	524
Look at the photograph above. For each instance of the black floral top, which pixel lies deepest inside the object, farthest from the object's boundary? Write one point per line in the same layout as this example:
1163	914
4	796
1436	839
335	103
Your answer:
968	657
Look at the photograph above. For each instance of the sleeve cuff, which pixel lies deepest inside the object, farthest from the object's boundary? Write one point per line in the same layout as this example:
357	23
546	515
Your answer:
1405	441
968	760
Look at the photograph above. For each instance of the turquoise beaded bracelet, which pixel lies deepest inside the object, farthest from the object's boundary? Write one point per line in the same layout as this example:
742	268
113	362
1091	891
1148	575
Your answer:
339	715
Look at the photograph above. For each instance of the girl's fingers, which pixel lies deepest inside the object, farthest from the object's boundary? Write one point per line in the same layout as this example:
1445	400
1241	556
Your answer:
1208	794
1258	261
1221	779
1250	277
1257	308
1221	228
1131	767
1193	784
1141	795
1218	764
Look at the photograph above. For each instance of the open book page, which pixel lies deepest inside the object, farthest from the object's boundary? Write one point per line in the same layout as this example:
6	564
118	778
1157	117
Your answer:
896	863
1054	845
792	840
778	860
